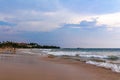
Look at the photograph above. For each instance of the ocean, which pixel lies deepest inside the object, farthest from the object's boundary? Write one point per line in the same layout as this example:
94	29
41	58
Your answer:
101	57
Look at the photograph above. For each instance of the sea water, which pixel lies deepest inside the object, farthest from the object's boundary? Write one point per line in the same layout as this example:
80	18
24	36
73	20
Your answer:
102	57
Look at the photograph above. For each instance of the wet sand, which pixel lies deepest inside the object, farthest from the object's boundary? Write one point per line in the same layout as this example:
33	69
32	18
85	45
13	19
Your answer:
28	67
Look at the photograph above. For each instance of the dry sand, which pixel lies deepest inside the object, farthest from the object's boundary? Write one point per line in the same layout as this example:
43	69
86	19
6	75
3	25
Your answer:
43	68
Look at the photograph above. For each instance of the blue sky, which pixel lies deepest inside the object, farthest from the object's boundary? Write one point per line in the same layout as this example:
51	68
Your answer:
65	23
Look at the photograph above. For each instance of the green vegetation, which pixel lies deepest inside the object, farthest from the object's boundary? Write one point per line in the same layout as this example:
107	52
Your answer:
25	45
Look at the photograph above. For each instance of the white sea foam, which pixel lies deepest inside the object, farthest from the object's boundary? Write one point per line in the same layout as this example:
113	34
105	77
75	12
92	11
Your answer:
59	53
94	56
98	55
113	67
63	53
32	51
27	51
45	50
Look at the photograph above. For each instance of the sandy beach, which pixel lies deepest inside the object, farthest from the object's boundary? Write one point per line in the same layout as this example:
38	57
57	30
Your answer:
29	67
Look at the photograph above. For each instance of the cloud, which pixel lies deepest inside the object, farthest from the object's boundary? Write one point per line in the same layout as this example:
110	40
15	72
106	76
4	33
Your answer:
32	15
36	15
3	23
92	7
32	20
88	23
41	16
85	24
39	5
41	21
109	21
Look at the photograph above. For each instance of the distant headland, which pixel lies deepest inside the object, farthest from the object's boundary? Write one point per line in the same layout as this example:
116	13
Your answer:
11	44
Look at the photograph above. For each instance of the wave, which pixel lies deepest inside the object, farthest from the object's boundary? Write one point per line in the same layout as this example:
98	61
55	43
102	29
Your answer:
113	67
109	60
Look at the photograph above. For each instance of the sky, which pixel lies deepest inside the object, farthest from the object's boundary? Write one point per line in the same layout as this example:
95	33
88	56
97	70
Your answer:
64	23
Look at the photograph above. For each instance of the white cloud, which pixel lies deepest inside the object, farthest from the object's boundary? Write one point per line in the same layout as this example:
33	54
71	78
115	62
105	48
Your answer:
32	20
35	20
36	26
110	21
41	21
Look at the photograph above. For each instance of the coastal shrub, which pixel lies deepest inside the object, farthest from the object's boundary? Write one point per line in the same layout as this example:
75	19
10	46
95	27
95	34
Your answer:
25	45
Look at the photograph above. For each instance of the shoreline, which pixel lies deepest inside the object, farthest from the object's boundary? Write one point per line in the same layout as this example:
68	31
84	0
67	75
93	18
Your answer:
29	67
26	66
101	72
96	62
